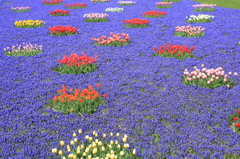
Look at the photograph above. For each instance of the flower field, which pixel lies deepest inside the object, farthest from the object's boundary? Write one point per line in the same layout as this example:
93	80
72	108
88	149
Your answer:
77	85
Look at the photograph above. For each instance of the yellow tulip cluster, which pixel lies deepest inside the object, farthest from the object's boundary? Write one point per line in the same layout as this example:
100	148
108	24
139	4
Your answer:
95	148
29	23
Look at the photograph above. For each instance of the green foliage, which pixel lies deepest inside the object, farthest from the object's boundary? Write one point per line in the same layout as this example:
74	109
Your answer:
65	69
136	26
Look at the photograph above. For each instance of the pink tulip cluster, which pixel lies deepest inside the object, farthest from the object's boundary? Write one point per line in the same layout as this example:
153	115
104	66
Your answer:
204	6
210	74
95	15
164	3
115	38
23	48
126	2
99	0
21	8
190	30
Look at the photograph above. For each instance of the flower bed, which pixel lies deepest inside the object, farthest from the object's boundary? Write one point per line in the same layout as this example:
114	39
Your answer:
77	101
208	78
204	7
21	9
172	1
114	9
234	121
126	3
76	6
164	4
189	31
200	18
29	24
96	147
75	64
59	12
96	17
99	1
52	2
136	23
178	51
115	40
154	14
63	30
23	50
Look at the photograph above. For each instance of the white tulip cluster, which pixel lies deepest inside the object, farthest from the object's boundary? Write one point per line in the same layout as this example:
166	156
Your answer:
95	15
200	17
114	9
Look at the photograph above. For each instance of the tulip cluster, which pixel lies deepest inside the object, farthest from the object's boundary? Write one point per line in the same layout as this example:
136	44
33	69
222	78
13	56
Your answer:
208	78
29	23
52	2
164	4
59	12
77	101
21	9
75	64
200	18
172	1
95	17
76	6
115	40
99	1
178	51
204	7
234	121
126	3
63	30
136	23
154	14
96	147
23	50
189	31
114	9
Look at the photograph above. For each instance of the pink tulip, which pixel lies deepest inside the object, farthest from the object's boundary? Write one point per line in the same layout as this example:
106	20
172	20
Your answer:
208	82
235	74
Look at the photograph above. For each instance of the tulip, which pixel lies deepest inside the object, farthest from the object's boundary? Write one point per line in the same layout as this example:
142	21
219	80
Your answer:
54	150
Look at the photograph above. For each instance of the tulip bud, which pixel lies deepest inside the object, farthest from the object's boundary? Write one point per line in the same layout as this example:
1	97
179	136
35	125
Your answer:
134	151
61	143
80	131
60	152
54	150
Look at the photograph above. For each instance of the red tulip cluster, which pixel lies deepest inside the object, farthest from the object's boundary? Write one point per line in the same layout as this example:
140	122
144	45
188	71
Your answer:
236	119
80	101
178	51
52	2
76	5
154	14
76	60
136	21
59	12
79	96
115	40
171	49
63	30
